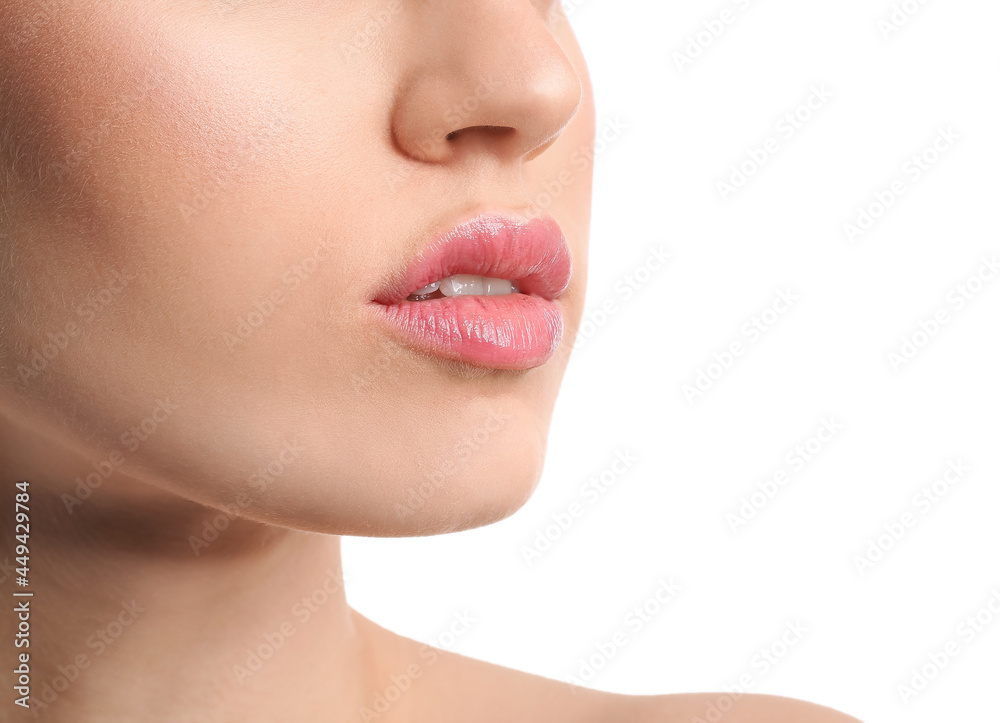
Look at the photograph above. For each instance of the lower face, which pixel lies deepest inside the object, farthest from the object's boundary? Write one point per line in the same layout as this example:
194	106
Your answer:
213	222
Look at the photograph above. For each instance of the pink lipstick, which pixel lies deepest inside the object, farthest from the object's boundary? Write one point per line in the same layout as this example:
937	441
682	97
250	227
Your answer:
484	293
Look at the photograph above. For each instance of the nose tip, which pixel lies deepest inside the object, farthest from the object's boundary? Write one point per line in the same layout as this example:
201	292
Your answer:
487	94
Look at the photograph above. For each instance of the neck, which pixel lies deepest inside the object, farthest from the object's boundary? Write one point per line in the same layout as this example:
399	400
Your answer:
131	620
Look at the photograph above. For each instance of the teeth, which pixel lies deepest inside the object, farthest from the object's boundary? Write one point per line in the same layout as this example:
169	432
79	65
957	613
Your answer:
469	285
497	287
429	289
463	285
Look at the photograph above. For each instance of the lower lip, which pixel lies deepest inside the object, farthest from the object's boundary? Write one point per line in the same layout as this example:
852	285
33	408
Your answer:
514	331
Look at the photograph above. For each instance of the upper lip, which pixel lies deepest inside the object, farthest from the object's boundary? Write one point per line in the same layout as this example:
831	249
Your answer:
533	253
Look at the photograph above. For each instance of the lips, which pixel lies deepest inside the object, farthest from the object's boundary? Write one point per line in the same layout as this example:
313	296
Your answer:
511	331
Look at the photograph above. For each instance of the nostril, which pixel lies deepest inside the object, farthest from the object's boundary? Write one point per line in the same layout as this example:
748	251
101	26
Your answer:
492	130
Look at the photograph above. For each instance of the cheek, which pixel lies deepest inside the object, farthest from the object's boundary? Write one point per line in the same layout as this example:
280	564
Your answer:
185	160
180	218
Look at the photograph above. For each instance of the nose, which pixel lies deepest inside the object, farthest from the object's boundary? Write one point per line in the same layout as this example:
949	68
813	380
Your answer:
488	77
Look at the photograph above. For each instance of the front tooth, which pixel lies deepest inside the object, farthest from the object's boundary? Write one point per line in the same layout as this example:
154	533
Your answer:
429	289
462	285
497	287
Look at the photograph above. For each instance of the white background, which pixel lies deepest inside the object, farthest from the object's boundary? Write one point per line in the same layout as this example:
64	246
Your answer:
826	357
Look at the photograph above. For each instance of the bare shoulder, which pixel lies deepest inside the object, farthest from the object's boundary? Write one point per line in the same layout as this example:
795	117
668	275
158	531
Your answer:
727	708
417	682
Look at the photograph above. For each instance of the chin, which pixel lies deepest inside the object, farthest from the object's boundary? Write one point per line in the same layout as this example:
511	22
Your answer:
468	494
476	467
484	471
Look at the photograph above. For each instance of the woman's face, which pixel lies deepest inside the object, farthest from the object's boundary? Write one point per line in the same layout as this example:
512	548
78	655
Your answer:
212	211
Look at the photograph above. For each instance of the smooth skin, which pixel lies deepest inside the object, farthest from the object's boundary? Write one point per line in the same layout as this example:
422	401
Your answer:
199	200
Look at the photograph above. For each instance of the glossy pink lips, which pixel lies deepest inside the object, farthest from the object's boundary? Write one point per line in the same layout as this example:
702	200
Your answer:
514	331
